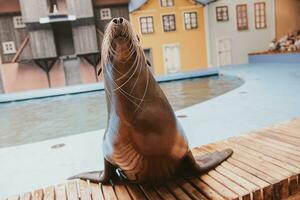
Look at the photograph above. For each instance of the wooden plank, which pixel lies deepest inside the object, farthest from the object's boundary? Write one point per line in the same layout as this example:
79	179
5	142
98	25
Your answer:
135	192
72	191
281	187
84	190
265	154
49	193
244	194
189	189
288	133
85	39
246	156
19	51
222	190
149	192
33	15
38	194
108	192
42	43
60	192
282	146
243	164
294	185
122	192
266	187
281	137
177	191
164	193
277	147
208	191
289	130
269	191
96	191
251	188
26	196
79	8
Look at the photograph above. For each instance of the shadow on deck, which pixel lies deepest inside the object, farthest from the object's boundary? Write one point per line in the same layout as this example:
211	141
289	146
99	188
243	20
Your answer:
265	165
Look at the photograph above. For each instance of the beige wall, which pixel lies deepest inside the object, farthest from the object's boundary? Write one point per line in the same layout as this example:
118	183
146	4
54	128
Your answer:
86	72
287	16
57	75
21	77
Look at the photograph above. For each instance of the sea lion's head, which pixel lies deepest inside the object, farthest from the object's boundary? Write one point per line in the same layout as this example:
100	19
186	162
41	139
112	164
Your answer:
121	47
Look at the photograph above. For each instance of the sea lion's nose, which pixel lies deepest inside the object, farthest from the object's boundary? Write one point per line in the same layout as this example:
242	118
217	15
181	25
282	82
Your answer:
118	20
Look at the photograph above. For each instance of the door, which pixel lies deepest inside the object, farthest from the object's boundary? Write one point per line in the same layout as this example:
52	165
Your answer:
172	58
224	51
63	38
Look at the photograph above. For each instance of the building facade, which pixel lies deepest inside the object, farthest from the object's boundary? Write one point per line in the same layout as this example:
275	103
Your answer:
178	29
52	43
239	27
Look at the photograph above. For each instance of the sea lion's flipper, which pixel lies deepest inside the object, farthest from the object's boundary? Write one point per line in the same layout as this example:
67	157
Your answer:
108	174
204	163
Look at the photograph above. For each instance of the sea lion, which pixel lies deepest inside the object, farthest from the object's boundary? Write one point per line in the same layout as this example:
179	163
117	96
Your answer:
143	141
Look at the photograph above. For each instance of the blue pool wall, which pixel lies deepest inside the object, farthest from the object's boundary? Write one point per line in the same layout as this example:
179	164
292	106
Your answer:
275	58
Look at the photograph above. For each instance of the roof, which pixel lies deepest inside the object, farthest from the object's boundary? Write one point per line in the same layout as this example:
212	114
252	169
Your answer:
136	4
10	6
109	2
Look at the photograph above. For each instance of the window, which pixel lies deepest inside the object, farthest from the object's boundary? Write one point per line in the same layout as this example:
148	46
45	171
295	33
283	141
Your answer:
166	3
169	23
260	15
9	47
105	14
147	25
53	6
222	13
242	17
190	20
18	22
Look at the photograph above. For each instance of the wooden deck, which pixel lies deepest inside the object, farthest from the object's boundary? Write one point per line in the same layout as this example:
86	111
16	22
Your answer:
265	165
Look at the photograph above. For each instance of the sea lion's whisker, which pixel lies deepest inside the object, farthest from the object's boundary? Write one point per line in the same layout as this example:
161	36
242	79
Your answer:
126	80
123	92
145	92
136	80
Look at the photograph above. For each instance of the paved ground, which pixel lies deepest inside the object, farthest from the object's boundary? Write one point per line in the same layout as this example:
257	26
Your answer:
271	94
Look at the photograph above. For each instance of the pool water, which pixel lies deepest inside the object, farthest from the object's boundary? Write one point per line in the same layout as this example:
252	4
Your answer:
41	119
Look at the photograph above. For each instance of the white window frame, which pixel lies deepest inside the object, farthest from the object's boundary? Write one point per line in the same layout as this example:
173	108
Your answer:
140	22
185	20
9	51
104	17
16	20
163	24
166	6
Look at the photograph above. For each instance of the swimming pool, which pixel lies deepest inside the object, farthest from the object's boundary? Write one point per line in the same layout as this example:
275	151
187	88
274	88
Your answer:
40	119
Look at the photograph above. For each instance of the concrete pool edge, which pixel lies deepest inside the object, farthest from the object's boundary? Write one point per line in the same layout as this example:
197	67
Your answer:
51	92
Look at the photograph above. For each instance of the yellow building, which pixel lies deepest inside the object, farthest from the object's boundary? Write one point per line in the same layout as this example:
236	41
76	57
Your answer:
172	33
